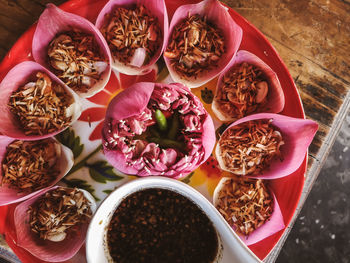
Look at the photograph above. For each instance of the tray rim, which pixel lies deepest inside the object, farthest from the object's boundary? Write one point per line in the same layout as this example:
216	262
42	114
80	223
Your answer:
68	6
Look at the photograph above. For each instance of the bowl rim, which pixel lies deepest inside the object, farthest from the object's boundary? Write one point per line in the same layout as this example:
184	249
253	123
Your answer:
109	205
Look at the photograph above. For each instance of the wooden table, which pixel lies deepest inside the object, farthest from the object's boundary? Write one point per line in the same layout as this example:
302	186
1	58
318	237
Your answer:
313	39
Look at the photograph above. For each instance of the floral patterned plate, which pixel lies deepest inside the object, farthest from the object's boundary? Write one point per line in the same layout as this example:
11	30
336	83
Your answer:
92	172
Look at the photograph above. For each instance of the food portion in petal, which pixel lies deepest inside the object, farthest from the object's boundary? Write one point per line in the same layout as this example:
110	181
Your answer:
246	204
76	59
248	85
248	148
195	46
203	40
52	224
166	138
41	106
30	165
58	212
242	90
134	35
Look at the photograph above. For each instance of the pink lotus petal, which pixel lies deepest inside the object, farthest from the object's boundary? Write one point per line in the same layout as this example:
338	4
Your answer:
44	249
168	157
208	129
272	226
117	157
121	107
131	105
219	16
156	8
17	77
54	21
275	96
297	135
9	195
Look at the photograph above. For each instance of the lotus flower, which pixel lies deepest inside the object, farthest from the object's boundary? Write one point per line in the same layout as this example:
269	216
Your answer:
134	145
137	65
274	224
10	195
19	76
217	15
274	99
52	22
117	83
297	135
43	249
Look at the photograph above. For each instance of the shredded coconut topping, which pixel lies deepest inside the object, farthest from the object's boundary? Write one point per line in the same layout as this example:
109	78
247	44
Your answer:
30	165
249	147
58	212
41	106
127	30
245	203
244	88
195	46
76	60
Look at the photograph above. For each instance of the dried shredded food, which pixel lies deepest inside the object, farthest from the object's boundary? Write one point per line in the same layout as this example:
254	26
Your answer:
127	30
59	212
244	88
158	226
246	204
249	147
76	59
40	107
195	46
30	165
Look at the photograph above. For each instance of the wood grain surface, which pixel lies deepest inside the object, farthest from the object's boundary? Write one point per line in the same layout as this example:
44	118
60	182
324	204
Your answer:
311	36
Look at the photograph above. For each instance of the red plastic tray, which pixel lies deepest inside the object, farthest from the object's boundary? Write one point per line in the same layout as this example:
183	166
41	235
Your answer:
289	188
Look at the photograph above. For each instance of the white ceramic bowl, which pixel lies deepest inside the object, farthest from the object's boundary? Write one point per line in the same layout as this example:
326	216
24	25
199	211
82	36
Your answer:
233	250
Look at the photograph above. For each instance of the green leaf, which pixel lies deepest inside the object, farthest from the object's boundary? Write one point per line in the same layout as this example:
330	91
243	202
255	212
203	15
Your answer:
107	191
68	139
80	184
187	179
102	172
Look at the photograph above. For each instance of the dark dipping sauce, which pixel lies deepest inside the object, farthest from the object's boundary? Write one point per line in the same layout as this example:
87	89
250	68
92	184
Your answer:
159	225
